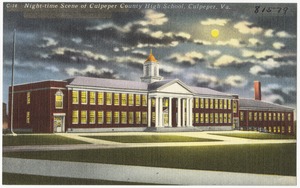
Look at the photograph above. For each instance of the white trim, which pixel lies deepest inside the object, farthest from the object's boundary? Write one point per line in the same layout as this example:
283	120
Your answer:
103	89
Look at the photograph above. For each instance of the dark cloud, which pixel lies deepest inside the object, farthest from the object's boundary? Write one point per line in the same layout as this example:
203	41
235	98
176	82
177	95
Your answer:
288	96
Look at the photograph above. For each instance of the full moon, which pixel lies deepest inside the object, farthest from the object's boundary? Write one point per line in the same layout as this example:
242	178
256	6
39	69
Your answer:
214	33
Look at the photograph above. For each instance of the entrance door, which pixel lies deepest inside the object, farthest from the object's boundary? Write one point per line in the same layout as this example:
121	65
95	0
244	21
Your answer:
59	124
166	119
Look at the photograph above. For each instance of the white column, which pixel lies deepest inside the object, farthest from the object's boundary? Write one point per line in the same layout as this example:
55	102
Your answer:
178	112
183	112
170	111
161	112
187	112
149	112
191	110
156	112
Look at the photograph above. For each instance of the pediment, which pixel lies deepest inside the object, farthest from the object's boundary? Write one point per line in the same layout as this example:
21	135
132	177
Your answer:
175	87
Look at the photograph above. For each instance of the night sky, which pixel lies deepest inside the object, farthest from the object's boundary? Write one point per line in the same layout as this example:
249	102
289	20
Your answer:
60	43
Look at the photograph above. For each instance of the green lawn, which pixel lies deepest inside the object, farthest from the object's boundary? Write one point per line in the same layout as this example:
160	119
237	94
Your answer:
151	139
256	135
38	140
261	158
22	179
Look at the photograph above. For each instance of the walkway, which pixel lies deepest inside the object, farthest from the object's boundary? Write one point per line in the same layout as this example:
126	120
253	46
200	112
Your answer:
140	174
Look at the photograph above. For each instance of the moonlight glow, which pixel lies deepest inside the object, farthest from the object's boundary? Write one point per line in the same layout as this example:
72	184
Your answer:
214	33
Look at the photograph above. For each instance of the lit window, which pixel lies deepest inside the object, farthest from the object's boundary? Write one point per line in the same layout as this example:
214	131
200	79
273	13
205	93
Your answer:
234	106
196	117
278	117
278	129
260	116
242	116
138	117
117	117
28	97
270	116
229	104
255	116
197	103
229	118
289	129
211	104
165	102
153	117
211	118
100	117
92	97
130	117
153	102
216	118
83	116
250	116
270	129
144	100
282	116
144	117
225	117
137	100
221	103
27	117
108	98
274	116
124	99
274	129
108	117
74	97
225	103
206	103
130	99
92	117
201	118
221	118
206	117
116	99
201	103
83	97
100	98
265	116
124	117
75	117
282	129
289	116
216	103
59	99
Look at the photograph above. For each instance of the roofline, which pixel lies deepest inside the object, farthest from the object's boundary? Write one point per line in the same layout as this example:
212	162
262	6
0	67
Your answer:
26	83
282	106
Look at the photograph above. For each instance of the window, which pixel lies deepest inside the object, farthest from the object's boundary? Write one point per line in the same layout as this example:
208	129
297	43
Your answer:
289	116
196	117
59	100
28	98
274	129
278	117
197	103
221	118
117	117
92	97
124	117
100	117
201	103
270	116
270	129
144	117
130	99
108	117
206	103
216	103
229	104
137	100
100	98
27	117
201	118
216	118
255	116
108	98
116	99
282	116
206	117
138	117
282	129
260	116
234	106
221	103
153	102
225	103
165	102
83	97
250	116
124	99
74	97
92	117
144	100
278	129
83	116
211	118
229	118
225	117
130	118
211	104
242	116
289	129
75	117
153	117
265	116
274	116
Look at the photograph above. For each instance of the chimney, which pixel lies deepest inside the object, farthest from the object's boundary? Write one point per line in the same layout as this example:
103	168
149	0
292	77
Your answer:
257	92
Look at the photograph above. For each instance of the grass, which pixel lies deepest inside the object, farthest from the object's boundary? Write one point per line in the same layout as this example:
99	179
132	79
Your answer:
277	159
21	140
151	139
256	135
22	179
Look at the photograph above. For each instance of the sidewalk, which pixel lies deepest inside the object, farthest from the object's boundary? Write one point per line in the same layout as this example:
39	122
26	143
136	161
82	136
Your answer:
140	174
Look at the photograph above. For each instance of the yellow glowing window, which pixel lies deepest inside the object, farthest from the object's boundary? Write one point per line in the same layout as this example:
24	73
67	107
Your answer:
130	117
225	118
100	117
211	104
289	117
124	117
282	116
278	129
92	97
289	129
75	117
138	117
144	117
130	99
242	116
144	100
221	118
27	117
83	117
206	117
221	103
274	116
108	117
124	99
196	102
116	99
201	103
216	103
137	100
211	118
206	103
59	100
28	97
201	118
229	118
100	98
274	129
255	116
92	117
278	117
83	97
117	117
225	104
265	116
165	102
282	129
216	118
270	129
153	102
229	104
153	117
250	116
196	117
74	97
270	116
259	116
108	98
234	106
